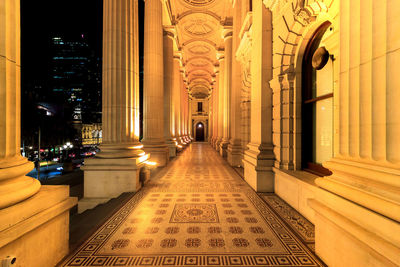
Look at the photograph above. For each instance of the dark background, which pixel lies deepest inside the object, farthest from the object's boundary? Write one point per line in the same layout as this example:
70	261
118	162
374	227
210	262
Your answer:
40	21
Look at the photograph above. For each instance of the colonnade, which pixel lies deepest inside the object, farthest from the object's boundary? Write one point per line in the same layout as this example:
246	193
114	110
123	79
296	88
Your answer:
256	157
359	202
123	160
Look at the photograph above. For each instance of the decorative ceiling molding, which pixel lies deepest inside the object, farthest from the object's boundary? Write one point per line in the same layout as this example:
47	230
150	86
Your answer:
200	27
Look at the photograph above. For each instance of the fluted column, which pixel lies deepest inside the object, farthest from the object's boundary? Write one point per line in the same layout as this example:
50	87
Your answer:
226	92
215	109
190	127
153	84
116	168
175	98
168	94
180	110
183	113
235	142
258	159
14	185
362	197
221	96
30	214
210	117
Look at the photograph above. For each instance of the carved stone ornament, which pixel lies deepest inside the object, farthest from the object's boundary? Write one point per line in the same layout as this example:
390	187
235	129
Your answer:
301	13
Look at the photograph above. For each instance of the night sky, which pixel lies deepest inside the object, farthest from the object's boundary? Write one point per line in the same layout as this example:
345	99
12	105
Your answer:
42	19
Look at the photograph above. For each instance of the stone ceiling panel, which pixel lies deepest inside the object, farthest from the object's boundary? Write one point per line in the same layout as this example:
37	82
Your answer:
199	27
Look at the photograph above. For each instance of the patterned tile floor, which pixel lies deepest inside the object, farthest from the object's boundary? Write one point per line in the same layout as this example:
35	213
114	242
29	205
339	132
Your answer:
199	212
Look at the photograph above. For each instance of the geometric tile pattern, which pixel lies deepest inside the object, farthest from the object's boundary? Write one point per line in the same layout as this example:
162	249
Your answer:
199	212
298	223
195	213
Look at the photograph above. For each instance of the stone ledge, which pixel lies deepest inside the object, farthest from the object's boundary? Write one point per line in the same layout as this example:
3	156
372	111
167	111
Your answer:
363	246
295	187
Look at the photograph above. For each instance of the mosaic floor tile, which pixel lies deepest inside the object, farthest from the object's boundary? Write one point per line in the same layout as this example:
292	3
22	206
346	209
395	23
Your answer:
199	213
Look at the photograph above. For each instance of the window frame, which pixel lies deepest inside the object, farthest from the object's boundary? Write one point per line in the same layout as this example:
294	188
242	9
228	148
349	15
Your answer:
308	105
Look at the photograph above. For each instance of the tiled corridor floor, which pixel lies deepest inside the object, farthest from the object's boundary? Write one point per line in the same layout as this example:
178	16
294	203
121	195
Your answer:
199	212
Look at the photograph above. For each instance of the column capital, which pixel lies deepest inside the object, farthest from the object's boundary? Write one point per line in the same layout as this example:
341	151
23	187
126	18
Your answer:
220	55
170	31
227	33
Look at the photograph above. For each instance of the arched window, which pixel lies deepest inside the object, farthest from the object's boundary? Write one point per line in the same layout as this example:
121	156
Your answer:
317	103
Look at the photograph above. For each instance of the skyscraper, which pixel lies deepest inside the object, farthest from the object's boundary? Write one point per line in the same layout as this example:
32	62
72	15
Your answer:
75	78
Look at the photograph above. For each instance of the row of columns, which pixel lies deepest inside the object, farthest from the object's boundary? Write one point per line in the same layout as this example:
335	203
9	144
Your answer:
121	165
257	159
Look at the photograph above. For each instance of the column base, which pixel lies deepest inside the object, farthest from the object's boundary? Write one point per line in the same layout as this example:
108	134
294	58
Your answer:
357	212
217	144
258	162
212	141
360	236
234	155
171	148
36	231
223	148
105	179
158	153
18	187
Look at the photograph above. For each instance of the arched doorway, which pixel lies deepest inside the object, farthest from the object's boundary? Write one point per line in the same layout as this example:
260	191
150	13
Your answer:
200	132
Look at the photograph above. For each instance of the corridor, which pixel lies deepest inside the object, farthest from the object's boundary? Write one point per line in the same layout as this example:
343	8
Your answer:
199	212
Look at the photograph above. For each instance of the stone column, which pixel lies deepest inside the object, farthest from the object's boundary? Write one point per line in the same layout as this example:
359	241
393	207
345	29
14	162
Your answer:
153	84
14	185
358	206
168	88
221	96
176	98
258	159
235	143
184	114
26	208
116	169
215	109
226	92
190	124
210	117
179	108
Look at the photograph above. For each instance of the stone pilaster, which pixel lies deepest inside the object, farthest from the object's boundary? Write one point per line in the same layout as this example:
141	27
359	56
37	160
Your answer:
258	159
116	169
215	110
235	144
153	84
210	117
168	88
358	208
221	96
226	92
26	207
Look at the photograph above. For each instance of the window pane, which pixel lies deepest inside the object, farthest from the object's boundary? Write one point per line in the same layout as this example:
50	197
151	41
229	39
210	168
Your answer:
323	130
324	79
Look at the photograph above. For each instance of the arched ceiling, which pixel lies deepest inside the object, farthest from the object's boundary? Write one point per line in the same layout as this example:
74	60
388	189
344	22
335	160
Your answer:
199	25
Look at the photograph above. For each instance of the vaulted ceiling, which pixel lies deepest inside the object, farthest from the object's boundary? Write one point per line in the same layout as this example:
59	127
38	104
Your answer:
199	25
